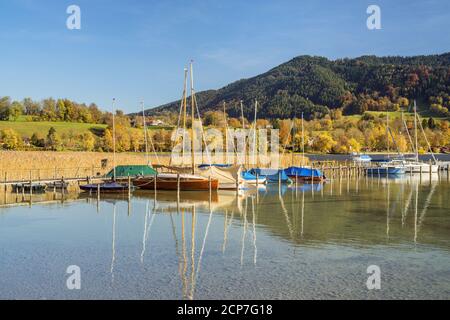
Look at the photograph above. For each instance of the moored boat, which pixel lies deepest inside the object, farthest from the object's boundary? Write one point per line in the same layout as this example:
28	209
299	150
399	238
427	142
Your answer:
57	185
170	181
27	187
250	178
107	187
271	175
303	174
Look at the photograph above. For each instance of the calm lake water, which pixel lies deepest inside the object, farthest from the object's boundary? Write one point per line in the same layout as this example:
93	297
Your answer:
310	242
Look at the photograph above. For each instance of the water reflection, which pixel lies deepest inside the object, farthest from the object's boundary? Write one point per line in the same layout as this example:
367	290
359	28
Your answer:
220	233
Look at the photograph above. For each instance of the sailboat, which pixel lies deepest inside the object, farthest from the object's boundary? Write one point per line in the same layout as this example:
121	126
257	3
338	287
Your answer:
415	165
180	181
389	167
113	186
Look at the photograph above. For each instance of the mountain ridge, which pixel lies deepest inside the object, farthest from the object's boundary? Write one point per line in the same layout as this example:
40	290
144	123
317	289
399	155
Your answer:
316	85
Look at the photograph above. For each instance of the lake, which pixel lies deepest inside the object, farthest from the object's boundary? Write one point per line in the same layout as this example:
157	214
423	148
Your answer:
304	242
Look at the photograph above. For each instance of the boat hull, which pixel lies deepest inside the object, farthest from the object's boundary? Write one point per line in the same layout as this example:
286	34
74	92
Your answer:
307	179
385	171
105	188
172	184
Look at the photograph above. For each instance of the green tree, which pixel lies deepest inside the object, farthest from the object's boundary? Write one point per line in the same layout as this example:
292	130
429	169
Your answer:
16	110
53	141
431	123
5	104
88	141
10	139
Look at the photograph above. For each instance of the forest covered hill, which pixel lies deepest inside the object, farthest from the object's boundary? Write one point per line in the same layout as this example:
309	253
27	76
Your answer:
316	85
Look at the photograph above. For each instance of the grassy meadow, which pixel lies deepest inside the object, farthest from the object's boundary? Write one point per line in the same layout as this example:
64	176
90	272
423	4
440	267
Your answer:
27	128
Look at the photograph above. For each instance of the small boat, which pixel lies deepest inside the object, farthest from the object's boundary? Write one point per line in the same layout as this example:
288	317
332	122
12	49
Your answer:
303	174
362	159
272	175
122	172
250	178
418	166
385	168
27	187
106	187
57	185
169	181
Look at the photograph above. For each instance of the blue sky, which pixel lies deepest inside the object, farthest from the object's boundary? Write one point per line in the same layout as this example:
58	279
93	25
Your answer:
134	50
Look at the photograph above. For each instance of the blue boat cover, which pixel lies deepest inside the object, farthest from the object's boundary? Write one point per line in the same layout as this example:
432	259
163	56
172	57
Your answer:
271	174
246	175
302	172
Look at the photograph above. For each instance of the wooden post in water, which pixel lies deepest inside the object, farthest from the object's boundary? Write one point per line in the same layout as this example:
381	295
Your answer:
279	181
6	179
448	172
98	191
431	170
209	186
129	187
178	186
23	190
31	185
154	182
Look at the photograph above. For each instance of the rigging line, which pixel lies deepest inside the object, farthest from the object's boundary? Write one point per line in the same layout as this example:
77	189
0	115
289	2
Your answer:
144	237
182	101
287	139
199	261
201	126
408	203
244	231
255	251
426	205
426	139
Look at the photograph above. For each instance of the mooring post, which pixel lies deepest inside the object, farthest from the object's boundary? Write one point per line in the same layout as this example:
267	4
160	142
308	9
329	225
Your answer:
178	186
31	184
6	179
154	182
279	179
98	191
129	187
62	183
256	179
210	186
448	171
431	170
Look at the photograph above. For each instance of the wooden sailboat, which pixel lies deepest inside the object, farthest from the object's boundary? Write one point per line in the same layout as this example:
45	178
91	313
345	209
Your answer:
180	181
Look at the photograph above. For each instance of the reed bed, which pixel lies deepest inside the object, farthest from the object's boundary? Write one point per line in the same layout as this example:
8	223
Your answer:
40	165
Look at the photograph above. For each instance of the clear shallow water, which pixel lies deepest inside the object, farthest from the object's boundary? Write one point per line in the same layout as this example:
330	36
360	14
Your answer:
304	243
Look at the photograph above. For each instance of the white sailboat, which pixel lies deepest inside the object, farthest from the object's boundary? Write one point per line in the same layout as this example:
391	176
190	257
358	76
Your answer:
414	165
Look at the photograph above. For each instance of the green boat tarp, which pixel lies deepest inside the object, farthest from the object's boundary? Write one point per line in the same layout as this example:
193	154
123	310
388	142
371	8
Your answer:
132	171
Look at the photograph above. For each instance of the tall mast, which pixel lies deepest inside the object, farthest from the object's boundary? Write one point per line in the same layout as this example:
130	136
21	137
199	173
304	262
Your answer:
183	105
303	141
387	131
145	132
114	138
415	131
226	126
242	116
254	132
292	141
192	116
